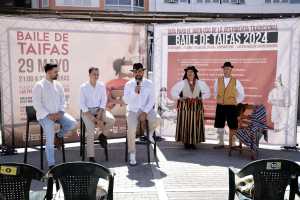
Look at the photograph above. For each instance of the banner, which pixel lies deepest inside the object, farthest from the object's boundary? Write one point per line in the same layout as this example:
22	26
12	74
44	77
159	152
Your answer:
28	44
265	55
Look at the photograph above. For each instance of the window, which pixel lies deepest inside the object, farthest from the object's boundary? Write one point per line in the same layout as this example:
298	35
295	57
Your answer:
125	2
45	4
171	1
278	1
238	1
78	3
139	3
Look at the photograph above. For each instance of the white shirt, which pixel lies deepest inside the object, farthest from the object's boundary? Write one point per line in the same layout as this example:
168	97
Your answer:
92	97
177	88
144	101
48	97
239	87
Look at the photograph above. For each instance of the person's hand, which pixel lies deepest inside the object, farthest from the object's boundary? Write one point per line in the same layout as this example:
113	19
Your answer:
59	115
99	123
100	114
52	117
143	117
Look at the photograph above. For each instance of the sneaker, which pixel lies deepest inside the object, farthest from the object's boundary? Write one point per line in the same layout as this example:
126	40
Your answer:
132	160
103	141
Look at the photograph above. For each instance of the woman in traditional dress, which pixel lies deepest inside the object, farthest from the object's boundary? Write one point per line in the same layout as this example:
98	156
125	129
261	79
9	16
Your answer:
190	117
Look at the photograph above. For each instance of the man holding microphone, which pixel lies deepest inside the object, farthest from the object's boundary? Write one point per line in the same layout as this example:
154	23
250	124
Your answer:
140	100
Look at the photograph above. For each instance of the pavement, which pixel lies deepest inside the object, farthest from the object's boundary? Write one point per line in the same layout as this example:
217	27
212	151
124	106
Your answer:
200	174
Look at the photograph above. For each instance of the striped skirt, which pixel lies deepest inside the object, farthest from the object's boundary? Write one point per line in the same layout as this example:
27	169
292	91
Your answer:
190	121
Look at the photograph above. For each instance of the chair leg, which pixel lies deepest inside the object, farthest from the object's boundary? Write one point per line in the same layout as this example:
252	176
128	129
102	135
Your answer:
83	142
148	141
26	142
106	153
126	150
240	146
155	149
41	148
81	136
63	150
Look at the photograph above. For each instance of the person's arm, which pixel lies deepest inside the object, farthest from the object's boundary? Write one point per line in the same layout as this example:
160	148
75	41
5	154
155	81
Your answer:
83	106
37	101
205	91
176	89
151	99
241	92
129	93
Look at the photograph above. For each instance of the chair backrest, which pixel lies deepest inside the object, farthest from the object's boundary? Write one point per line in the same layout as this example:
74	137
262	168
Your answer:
79	179
271	177
31	114
15	180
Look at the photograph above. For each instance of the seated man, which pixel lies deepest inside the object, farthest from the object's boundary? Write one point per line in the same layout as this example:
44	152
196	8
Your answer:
251	125
48	99
138	95
93	103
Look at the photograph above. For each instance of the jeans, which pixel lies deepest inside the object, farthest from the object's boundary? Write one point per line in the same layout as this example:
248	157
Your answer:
67	122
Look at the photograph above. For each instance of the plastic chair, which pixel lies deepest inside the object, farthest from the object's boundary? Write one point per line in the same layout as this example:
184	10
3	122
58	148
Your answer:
270	179
15	180
79	180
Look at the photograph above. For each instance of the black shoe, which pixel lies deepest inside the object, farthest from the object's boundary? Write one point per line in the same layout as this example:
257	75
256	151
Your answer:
103	141
92	159
192	146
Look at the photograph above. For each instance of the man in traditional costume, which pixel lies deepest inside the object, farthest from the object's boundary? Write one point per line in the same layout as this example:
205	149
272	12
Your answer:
228	92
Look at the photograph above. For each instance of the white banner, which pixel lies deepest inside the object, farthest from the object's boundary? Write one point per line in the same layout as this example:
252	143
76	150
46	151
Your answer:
27	44
262	51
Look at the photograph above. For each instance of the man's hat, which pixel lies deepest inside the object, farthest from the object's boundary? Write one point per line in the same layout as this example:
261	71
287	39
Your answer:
137	66
227	64
191	67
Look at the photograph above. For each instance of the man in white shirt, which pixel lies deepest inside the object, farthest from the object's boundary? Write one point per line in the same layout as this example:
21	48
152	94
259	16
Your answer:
93	101
140	100
49	102
229	92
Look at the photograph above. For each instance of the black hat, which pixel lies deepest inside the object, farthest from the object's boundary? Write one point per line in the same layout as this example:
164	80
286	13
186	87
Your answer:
191	67
137	66
227	64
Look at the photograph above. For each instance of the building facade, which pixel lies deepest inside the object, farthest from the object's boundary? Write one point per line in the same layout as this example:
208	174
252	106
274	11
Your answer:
226	6
100	5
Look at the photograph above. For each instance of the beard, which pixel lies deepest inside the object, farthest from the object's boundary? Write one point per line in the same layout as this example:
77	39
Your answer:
138	78
55	77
